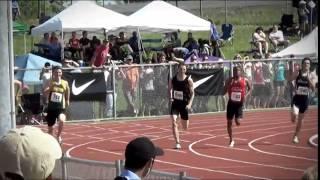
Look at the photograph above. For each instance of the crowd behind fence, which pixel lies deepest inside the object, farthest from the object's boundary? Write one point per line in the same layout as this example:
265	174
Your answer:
149	96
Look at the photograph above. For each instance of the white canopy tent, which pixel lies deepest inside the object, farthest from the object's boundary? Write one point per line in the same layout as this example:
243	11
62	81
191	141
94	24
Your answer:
306	47
160	16
82	15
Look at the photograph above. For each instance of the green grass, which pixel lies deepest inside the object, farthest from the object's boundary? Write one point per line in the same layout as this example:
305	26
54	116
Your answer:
244	19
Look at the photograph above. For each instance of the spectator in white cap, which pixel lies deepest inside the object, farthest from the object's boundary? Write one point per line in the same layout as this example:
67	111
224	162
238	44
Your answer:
28	153
140	155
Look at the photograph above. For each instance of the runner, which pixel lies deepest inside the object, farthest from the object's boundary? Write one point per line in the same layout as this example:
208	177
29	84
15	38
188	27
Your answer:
181	95
236	87
58	100
303	82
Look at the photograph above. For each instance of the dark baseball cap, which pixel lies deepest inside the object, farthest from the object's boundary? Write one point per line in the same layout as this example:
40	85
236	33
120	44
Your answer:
142	148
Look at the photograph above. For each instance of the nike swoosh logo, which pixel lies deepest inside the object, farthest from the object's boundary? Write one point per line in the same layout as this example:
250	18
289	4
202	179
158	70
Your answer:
77	90
201	81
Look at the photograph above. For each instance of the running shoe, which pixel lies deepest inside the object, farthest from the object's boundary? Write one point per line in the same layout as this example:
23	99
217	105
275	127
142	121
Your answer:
178	146
231	144
295	140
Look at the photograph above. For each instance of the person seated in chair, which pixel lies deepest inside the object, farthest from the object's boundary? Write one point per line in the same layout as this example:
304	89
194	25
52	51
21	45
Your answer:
74	45
260	41
190	43
277	39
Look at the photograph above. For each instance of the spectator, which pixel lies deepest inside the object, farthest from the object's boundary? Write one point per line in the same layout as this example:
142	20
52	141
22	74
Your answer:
312	8
15	9
130	77
45	76
85	46
44	44
136	46
101	54
190	43
260	41
276	38
140	154
303	17
148	88
28	153
74	45
55	48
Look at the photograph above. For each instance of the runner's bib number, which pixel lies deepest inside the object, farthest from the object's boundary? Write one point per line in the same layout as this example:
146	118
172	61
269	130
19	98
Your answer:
236	96
178	95
303	91
56	97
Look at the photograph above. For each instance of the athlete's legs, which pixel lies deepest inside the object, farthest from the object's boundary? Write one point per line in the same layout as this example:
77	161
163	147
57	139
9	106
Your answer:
294	113
237	120
229	128
185	124
175	129
61	120
299	124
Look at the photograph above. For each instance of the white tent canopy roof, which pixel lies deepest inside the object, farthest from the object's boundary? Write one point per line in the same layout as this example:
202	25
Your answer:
160	16
306	47
82	15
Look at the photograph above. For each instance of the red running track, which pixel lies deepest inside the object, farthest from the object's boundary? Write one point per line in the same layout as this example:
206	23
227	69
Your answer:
263	144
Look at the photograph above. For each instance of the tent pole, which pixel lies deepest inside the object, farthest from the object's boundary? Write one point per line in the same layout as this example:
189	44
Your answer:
25	42
140	45
62	45
225	11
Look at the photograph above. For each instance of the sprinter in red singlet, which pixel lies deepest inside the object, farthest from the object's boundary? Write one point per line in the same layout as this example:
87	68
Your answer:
238	88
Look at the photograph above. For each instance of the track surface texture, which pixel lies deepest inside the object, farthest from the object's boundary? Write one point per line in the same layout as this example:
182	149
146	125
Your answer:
263	144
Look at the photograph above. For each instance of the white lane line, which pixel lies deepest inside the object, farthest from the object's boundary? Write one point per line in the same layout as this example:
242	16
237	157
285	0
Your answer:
118	141
240	139
91	142
212	170
293	146
227	147
238	161
276	154
182	140
67	144
176	150
311	140
104	151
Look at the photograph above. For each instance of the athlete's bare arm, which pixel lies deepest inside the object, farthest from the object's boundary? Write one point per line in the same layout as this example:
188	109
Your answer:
67	95
170	90
191	89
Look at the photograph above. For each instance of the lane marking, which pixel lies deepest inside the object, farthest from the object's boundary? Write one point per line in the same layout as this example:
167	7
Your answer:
212	170
175	150
276	154
292	146
238	161
104	151
311	140
227	147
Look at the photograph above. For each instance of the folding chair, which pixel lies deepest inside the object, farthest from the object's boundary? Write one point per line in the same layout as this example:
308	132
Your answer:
227	33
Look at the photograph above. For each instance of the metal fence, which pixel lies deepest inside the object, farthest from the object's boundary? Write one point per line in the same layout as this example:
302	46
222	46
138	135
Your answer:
77	169
151	95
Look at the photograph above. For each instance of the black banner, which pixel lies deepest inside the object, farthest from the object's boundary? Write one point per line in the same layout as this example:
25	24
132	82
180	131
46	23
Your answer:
207	82
86	86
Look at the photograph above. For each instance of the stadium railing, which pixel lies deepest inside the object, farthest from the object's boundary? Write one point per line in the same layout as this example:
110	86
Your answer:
76	168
